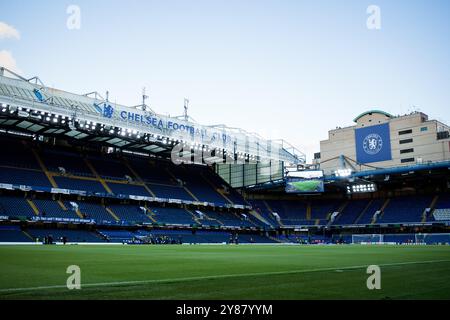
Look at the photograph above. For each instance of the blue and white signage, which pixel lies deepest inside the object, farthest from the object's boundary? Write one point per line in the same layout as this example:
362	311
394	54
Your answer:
373	144
164	124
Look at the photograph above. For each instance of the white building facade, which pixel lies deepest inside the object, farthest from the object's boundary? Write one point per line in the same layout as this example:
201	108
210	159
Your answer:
380	140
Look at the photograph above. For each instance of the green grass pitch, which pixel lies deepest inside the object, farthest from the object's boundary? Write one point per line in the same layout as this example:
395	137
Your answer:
306	186
225	272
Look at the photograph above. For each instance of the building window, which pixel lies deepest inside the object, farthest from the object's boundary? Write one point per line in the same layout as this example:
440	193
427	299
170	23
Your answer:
406	151
405	132
406	160
443	135
406	141
424	129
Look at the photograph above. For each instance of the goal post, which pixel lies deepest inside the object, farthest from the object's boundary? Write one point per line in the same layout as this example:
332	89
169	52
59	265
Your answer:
367	238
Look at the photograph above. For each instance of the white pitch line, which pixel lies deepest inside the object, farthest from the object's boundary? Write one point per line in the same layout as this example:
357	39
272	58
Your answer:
212	277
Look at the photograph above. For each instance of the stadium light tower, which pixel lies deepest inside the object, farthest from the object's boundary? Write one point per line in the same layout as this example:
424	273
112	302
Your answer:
144	97
186	107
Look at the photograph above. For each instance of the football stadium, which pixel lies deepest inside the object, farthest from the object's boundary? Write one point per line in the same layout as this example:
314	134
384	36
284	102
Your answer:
101	200
163	208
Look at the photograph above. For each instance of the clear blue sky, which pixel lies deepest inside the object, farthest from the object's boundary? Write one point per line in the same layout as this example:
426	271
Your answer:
284	69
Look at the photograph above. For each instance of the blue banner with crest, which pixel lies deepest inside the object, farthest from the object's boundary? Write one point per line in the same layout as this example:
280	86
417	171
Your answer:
373	144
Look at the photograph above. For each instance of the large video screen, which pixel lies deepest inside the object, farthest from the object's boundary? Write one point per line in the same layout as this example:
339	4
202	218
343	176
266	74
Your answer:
302	185
305	174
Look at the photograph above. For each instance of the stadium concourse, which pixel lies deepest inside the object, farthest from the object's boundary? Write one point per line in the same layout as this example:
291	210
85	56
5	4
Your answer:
82	170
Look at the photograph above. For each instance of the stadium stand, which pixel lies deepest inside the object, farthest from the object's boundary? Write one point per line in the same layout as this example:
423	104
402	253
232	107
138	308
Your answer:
15	206
290	212
50	208
170	192
13	234
405	209
71	162
118	177
23	177
441	210
351	212
94	211
172	216
128	189
71	235
80	184
261	208
130	213
366	216
102	177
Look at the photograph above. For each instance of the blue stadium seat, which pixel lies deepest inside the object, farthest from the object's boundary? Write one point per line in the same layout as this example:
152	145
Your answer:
130	213
14	206
128	189
12	234
78	184
172	216
24	177
71	235
351	212
405	209
50	208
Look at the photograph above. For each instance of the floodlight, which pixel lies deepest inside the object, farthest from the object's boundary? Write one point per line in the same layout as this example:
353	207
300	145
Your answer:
343	173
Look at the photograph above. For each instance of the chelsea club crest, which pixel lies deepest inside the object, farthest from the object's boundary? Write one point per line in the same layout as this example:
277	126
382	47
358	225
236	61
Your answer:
372	144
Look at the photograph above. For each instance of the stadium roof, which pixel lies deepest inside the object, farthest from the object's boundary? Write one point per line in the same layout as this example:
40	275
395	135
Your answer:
34	108
370	112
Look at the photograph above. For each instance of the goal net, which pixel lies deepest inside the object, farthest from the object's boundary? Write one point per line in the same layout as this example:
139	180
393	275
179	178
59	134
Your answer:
367	238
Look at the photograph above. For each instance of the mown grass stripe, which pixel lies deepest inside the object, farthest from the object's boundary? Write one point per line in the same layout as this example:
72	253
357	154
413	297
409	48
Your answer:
213	277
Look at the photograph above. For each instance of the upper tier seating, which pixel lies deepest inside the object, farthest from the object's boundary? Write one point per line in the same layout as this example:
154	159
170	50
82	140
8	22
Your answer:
79	184
17	154
172	216
152	171
15	206
405	209
27	177
50	208
78	171
197	184
367	215
130	213
128	189
170	191
110	168
260	207
93	211
226	219
72	162
443	201
322	209
351	212
290	212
